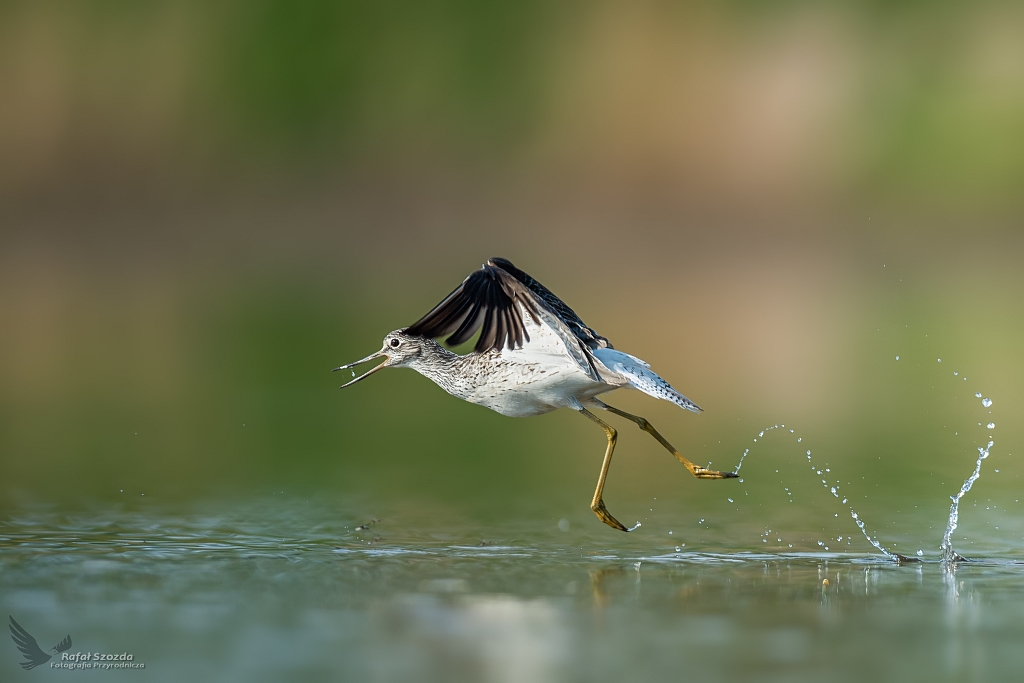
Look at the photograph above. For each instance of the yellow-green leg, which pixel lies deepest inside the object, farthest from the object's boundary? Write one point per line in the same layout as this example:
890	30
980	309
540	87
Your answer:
695	470
597	504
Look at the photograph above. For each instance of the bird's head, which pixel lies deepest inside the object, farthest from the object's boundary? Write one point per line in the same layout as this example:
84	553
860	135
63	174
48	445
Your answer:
399	349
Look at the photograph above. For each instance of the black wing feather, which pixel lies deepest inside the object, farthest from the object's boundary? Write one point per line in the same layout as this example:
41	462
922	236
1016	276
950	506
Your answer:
489	299
579	328
470	324
27	645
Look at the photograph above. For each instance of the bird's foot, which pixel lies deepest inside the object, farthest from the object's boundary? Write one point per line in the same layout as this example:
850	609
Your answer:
705	473
602	514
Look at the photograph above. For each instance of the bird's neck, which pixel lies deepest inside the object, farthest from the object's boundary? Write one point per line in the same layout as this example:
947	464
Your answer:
442	367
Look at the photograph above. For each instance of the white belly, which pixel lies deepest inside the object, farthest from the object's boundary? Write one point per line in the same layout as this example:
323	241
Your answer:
534	390
537	378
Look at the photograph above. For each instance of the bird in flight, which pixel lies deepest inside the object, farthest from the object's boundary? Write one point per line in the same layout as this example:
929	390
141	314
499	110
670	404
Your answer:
34	656
533	355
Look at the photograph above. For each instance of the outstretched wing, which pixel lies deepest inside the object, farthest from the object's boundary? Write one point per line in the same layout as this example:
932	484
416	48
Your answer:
63	645
489	299
568	316
494	300
27	645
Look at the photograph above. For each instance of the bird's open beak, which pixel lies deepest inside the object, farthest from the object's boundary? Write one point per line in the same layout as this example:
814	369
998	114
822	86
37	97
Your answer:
363	376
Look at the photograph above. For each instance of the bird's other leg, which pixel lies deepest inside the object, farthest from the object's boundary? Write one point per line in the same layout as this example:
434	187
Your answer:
597	504
695	470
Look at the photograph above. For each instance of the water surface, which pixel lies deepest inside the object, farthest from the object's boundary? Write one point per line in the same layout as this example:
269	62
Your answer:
292	589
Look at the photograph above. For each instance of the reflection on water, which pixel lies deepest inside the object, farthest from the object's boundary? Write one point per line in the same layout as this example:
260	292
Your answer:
286	591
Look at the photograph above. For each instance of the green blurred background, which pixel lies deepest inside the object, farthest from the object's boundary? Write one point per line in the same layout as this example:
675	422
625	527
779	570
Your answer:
204	207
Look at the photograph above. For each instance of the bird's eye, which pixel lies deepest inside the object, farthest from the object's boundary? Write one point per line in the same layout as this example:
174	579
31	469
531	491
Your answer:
395	343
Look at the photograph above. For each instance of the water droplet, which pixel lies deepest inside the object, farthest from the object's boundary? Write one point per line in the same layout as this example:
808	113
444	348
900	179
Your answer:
844	501
977	395
897	357
991	425
761	434
987	402
820	543
728	499
920	553
808	452
799	439
955	373
940	360
563	524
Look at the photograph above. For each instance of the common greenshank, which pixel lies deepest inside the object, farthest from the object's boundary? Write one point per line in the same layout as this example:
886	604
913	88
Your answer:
533	355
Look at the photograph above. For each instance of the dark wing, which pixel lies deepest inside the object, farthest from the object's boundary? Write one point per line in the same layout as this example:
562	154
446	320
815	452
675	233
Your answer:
28	646
489	299
63	645
568	316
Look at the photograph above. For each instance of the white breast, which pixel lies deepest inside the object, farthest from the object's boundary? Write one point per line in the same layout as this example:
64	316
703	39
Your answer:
537	378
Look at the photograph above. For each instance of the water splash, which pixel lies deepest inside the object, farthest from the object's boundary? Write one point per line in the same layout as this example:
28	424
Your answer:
760	434
948	554
872	541
833	489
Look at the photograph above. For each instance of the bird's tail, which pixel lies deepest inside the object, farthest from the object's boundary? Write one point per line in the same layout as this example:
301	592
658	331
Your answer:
641	377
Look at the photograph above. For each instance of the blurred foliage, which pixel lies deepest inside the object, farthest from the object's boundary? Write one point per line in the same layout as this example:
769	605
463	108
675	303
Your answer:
899	102
335	72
